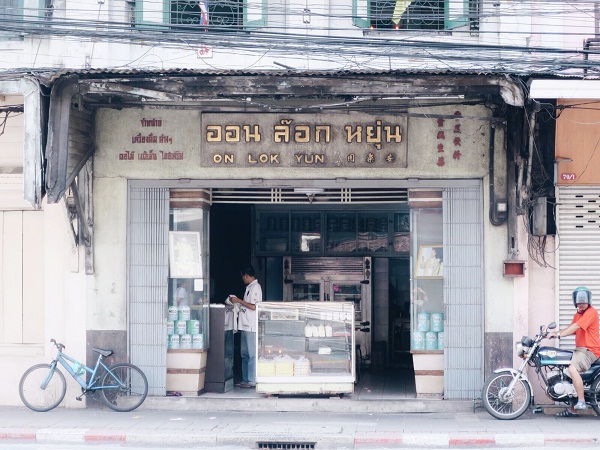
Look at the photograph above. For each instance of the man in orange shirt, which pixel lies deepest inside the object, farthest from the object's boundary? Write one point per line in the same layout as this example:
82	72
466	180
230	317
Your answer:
587	343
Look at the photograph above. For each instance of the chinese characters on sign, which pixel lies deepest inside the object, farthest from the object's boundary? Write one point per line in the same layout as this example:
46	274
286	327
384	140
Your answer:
353	140
456	140
143	140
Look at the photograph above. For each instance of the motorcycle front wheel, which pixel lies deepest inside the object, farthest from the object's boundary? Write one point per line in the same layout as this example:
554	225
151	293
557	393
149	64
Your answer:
502	403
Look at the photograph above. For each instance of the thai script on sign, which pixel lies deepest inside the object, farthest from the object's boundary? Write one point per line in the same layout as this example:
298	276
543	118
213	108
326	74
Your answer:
151	139
151	122
373	134
151	155
303	140
287	132
147	139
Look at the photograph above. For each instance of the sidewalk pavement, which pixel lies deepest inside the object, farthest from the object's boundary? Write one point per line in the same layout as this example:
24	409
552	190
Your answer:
248	429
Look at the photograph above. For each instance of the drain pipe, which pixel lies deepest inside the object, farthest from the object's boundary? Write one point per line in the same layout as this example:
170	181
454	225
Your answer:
494	220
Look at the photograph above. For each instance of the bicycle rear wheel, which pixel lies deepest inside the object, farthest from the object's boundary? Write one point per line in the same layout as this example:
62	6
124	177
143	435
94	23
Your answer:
124	387
32	394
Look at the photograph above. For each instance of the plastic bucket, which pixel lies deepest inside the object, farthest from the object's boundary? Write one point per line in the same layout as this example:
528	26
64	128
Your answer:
197	341
193	326
173	313
418	340
174	341
170	327
437	321
184	313
423	322
185	341
431	340
441	340
181	327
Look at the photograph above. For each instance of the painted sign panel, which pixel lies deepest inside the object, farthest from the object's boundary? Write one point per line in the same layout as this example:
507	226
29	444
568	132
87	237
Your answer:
577	142
303	140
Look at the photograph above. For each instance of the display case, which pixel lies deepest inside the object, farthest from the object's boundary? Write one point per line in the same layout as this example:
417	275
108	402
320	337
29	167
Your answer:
273	232
306	235
427	303
332	233
307	291
305	348
341	232
401	236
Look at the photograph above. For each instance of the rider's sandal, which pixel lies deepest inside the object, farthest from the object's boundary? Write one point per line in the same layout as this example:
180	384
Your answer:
566	413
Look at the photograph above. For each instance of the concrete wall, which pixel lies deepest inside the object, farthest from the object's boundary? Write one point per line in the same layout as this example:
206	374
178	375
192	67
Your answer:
63	314
529	25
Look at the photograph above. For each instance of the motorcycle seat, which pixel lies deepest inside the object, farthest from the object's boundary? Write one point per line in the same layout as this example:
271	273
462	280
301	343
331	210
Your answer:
591	372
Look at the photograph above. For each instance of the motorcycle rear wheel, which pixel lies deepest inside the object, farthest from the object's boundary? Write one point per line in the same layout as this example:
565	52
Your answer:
595	396
502	404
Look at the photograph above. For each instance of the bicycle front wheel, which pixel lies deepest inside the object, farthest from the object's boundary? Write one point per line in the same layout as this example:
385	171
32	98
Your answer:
124	387
42	399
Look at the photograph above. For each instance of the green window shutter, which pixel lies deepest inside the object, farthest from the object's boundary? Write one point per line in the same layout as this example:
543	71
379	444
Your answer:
360	13
456	13
152	14
11	13
255	13
41	10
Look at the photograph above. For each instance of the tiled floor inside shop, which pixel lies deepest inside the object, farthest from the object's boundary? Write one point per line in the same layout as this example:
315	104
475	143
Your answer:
395	382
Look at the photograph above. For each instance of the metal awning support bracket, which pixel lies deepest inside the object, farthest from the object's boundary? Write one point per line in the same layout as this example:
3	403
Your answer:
78	202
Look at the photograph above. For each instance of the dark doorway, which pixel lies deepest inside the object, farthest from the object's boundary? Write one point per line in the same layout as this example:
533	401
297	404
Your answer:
230	251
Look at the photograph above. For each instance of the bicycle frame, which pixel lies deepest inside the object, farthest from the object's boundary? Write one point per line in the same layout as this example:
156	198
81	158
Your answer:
64	361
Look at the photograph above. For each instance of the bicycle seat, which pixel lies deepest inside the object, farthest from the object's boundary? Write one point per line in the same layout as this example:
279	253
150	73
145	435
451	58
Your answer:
103	352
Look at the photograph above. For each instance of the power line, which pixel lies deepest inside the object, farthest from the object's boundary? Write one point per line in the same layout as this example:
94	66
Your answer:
377	48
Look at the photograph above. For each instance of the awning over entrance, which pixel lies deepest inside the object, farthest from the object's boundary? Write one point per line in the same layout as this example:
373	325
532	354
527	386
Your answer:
77	96
557	89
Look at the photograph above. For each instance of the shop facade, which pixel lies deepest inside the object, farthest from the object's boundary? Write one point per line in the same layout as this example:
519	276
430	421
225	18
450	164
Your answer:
376	184
570	211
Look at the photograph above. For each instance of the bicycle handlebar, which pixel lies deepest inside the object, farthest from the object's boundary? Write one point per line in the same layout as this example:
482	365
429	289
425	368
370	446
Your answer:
59	346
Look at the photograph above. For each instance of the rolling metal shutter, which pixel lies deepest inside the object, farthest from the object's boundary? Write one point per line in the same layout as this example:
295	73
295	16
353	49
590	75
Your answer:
578	242
148	255
463	292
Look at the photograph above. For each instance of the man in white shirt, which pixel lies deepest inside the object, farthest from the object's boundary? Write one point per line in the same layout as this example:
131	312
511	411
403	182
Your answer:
181	294
247	325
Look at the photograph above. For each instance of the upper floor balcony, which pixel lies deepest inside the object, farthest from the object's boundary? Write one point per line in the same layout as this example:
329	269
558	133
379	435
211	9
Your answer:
269	34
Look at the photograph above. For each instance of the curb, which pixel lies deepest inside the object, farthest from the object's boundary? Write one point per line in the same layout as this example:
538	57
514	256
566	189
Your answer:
371	440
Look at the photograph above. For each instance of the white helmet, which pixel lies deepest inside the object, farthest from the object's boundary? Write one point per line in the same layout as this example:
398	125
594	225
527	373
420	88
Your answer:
582	294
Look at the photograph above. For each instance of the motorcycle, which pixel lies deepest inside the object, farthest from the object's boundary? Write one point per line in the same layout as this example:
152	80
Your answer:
507	393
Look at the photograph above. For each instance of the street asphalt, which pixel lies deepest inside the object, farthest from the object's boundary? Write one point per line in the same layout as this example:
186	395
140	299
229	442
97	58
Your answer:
185	428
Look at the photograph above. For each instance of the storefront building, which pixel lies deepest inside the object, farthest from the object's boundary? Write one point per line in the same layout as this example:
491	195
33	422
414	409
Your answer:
391	187
571	212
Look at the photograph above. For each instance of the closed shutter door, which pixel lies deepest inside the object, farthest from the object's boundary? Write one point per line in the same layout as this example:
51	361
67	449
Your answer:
463	293
148	289
578	242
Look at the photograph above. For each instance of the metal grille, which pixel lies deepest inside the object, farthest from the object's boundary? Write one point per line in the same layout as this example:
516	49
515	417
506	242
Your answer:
148	290
221	15
327	266
309	195
463	293
578	242
286	445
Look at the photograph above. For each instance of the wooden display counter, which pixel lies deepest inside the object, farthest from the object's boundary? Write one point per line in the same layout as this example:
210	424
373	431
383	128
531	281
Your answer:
429	373
185	370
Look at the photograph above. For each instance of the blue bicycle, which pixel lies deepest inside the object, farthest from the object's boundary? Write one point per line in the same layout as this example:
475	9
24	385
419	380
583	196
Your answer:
123	387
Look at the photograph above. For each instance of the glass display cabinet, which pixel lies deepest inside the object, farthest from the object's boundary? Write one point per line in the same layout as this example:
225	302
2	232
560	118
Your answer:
305	348
273	232
306	232
333	233
427	302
